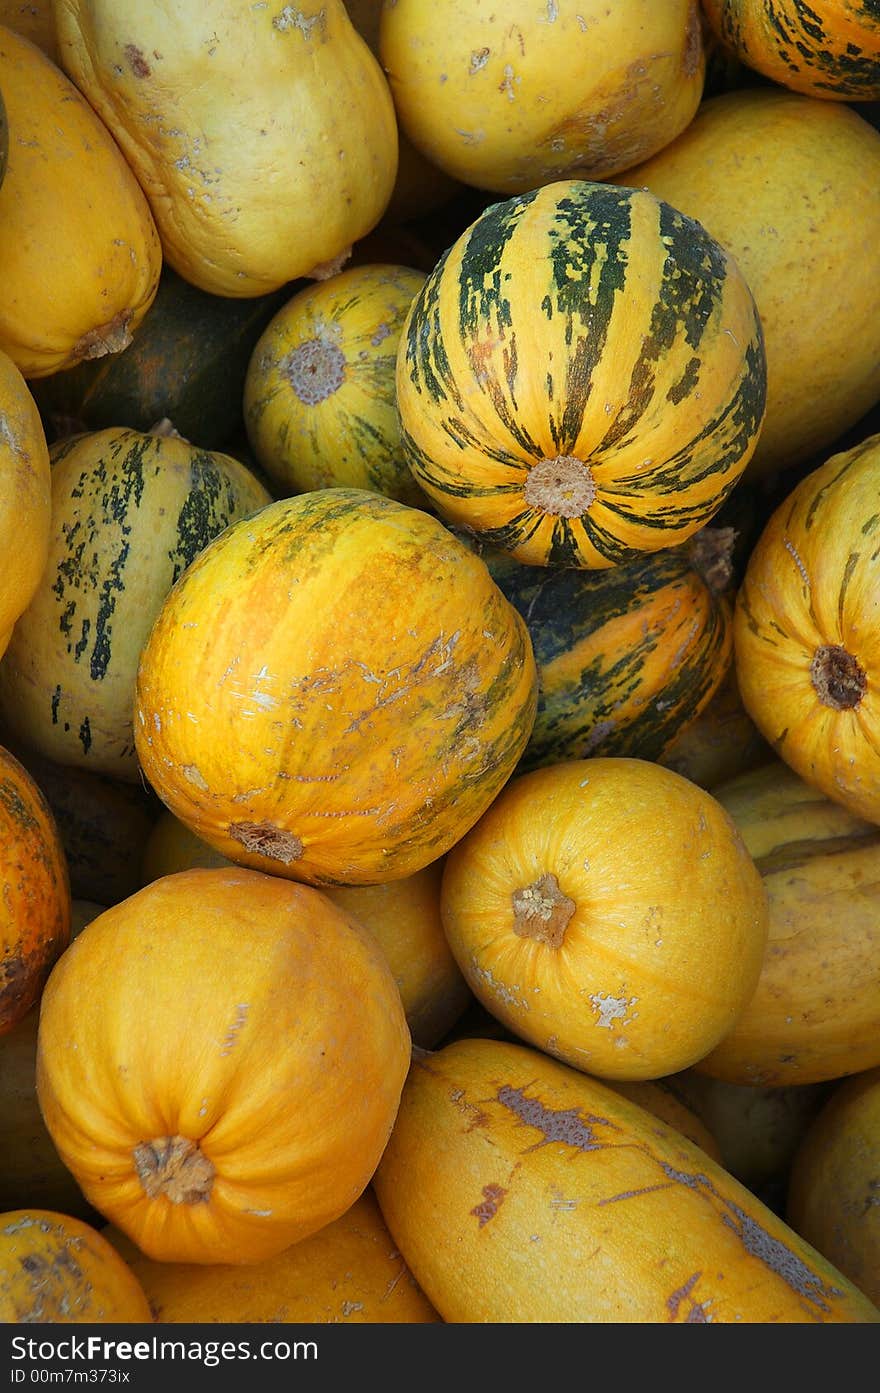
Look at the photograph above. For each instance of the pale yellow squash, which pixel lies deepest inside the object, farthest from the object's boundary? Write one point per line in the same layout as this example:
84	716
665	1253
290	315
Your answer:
25	497
78	245
264	136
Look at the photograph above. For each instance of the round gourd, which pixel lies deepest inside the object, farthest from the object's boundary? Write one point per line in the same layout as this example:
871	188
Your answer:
264	136
815	1012
56	1269
25	497
806	632
35	903
764	171
510	97
627	657
335	691
520	1190
349	1273
320	407
403	915
829	48
835	1179
169	1032
581	379
130	511
79	249
565	920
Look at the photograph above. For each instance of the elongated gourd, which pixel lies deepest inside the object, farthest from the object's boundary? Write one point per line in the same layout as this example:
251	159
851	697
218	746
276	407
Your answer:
25	497
264	136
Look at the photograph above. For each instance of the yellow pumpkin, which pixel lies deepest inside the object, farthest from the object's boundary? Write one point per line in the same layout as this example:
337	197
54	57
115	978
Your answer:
79	249
511	96
130	511
565	920
403	915
35	899
263	136
334	691
581	379
815	1012
766	171
828	48
320	407
349	1272
520	1190
806	631
25	497
835	1178
56	1269
170	1030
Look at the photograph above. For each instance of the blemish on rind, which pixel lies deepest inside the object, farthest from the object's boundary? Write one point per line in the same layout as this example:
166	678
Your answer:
565	1126
493	1196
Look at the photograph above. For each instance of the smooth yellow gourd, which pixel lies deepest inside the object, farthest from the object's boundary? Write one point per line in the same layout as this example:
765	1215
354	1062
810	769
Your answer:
264	136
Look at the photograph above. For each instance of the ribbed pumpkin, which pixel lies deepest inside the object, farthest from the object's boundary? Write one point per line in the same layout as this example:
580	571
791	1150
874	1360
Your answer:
565	920
403	915
263	136
335	691
509	97
806	631
170	1030
130	511
581	379
35	902
522	1191
835	1179
25	497
815	1012
827	48
626	657
320	406
349	1273
57	1270
764	171
78	246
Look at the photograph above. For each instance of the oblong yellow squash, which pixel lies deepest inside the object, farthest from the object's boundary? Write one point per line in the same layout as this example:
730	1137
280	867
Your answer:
264	136
504	1163
508	97
335	690
78	245
25	497
766	171
350	1272
581	379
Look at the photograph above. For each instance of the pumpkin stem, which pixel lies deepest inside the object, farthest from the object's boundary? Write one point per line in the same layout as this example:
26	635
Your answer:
563	486
315	370
838	678
541	911
174	1167
325	269
710	552
107	338
165	429
265	839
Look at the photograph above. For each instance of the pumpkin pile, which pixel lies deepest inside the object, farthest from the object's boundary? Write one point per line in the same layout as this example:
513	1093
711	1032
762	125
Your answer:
440	662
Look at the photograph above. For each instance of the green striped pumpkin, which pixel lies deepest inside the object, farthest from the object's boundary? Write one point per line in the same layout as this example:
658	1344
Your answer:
626	657
582	377
824	48
130	511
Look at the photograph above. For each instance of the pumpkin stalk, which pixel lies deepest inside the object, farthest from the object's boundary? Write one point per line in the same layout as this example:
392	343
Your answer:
174	1167
838	678
563	486
107	338
265	839
710	552
541	911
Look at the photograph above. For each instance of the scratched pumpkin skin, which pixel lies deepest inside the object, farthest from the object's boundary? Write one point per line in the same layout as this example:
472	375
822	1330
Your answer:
263	1046
561	911
130	510
521	1190
806	631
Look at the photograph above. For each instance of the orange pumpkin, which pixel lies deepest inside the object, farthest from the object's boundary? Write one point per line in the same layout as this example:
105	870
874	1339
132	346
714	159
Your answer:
55	1269
349	1272
828	48
335	690
25	495
565	920
806	631
35	900
170	1030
